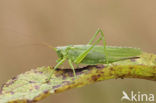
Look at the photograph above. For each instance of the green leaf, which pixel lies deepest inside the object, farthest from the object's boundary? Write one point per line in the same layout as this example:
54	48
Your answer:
31	86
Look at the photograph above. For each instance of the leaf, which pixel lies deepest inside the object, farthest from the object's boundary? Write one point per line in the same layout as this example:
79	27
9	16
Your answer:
31	86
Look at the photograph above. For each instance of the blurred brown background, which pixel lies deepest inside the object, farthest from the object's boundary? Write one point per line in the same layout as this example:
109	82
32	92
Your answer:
25	24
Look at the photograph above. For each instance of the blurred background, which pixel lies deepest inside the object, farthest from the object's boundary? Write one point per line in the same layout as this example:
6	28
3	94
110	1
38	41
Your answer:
25	24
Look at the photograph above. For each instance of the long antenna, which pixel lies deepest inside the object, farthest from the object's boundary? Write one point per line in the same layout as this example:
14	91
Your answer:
48	45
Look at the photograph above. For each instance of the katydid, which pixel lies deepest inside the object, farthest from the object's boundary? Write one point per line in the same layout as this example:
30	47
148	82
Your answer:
93	54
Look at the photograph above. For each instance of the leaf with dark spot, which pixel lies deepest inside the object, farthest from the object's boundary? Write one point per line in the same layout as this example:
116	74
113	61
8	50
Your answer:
31	86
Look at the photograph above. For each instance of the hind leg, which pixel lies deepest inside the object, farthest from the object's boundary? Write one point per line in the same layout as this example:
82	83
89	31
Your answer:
98	32
84	54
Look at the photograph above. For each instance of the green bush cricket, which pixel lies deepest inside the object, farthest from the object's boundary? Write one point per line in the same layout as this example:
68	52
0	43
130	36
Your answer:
93	54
